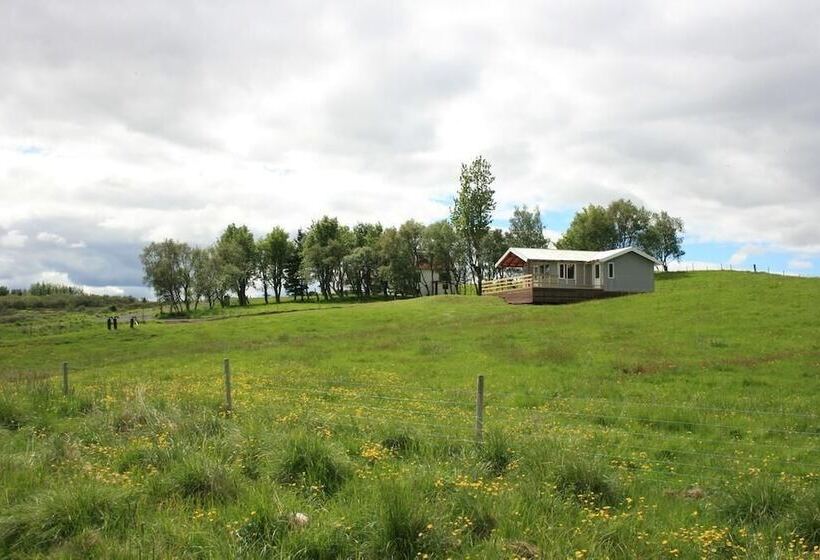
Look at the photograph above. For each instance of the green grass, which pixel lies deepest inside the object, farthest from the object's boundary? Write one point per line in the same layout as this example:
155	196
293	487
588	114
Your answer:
678	424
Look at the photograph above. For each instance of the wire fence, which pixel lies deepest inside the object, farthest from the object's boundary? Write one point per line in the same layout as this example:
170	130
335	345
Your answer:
672	442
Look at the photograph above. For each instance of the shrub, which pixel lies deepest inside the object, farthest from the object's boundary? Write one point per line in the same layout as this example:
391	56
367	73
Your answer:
583	479
756	501
400	442
62	513
310	462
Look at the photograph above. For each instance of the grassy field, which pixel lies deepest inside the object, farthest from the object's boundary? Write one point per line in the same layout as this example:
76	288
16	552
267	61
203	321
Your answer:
678	424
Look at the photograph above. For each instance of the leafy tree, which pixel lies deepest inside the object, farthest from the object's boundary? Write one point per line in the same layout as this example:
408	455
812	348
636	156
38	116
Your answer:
168	269
590	230
629	221
325	246
664	238
208	280
411	236
398	270
494	246
237	255
526	229
472	213
274	252
368	236
294	282
439	245
4	290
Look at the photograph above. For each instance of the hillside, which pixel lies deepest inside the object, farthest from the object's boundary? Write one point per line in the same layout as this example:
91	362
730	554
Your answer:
680	424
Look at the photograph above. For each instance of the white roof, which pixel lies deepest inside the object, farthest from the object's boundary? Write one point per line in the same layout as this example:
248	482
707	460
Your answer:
529	254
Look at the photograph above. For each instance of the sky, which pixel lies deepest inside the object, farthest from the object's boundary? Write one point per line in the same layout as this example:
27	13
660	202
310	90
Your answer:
123	123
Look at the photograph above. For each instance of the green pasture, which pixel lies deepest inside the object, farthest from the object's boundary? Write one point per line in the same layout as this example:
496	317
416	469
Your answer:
678	424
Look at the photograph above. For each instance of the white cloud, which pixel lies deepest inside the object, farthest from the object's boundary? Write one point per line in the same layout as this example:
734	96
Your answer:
800	264
46	237
742	255
13	239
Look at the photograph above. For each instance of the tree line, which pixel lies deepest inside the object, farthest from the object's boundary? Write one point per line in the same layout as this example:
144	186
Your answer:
369	260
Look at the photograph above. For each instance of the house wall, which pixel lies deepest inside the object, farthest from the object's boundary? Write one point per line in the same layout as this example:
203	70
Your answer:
432	283
633	273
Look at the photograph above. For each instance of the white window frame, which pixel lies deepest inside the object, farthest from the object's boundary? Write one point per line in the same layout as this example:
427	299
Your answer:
610	270
562	271
597	271
574	276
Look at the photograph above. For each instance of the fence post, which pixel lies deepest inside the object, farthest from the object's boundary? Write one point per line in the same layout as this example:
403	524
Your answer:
226	367
65	379
479	410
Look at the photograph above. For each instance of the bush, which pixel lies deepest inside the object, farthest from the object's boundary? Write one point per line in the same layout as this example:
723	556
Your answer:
309	461
583	479
59	514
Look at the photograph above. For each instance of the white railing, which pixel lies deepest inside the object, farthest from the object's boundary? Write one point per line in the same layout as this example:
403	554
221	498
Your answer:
491	287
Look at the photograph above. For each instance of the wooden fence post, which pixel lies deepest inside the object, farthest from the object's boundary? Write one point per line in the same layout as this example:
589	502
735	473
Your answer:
226	367
479	410
65	379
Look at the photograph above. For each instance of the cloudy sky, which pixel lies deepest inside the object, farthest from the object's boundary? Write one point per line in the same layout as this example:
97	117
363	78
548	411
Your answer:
127	122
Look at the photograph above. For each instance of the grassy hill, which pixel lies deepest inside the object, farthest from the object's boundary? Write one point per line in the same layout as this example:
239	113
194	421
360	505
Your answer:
679	424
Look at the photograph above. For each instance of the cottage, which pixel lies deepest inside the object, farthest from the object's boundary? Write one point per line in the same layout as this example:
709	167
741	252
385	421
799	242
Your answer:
559	276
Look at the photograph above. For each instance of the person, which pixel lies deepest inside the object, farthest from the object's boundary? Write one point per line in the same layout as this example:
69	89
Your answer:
108	322
133	321
115	322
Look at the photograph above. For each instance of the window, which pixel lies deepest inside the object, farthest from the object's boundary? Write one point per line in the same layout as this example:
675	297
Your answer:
610	270
562	270
570	272
597	271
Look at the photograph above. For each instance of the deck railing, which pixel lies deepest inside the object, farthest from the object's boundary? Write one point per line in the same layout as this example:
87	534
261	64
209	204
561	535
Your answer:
491	287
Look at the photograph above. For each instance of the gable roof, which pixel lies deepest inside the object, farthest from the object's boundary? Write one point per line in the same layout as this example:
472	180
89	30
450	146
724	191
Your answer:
517	256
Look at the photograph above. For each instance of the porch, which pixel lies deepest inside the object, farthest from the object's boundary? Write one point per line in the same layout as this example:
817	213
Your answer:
535	289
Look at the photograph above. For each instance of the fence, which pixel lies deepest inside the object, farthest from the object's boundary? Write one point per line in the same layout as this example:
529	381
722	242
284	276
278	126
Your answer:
671	442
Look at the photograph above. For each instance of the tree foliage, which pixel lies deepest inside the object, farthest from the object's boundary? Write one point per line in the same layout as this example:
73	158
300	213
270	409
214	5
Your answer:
168	269
472	213
526	228
664	238
237	253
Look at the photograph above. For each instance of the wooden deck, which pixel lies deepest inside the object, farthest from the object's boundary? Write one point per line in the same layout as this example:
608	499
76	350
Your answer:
554	295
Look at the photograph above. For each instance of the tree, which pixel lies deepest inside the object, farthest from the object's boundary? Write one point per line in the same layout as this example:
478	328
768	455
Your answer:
294	282
629	221
208	281
440	244
4	290
494	246
168	269
368	236
237	254
274	252
325	246
526	229
472	213
411	236
398	271
591	229
664	238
